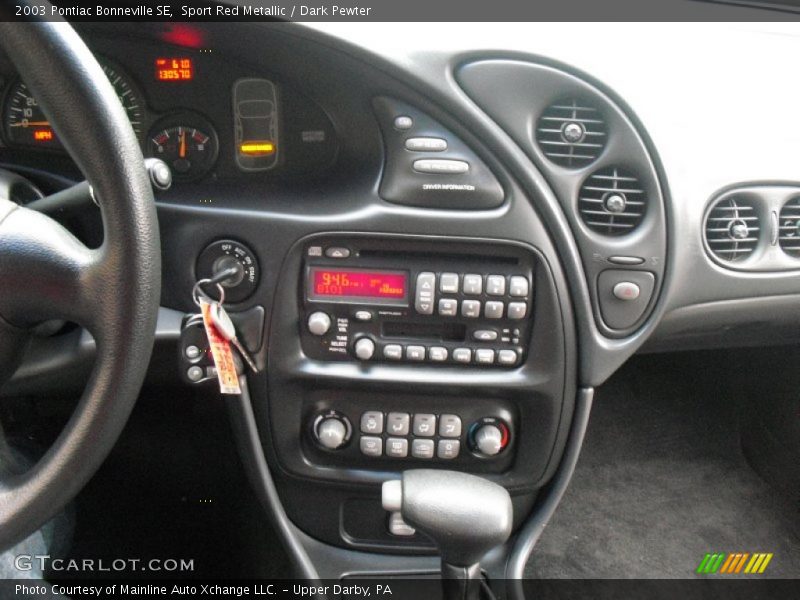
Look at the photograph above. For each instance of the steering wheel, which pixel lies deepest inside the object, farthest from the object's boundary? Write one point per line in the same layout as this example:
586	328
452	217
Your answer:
46	273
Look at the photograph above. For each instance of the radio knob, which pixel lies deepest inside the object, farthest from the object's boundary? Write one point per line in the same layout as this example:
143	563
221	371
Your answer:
489	440
365	348
319	323
331	433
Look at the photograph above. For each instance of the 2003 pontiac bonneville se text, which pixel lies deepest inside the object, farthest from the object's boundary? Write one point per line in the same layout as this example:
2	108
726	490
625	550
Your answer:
203	590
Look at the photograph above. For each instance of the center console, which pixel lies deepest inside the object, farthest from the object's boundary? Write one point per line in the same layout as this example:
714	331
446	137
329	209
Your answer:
394	352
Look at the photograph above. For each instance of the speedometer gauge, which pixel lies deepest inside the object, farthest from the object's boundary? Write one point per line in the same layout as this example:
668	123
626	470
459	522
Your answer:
26	124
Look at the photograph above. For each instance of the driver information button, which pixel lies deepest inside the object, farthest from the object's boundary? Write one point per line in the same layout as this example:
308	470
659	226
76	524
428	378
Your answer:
439	166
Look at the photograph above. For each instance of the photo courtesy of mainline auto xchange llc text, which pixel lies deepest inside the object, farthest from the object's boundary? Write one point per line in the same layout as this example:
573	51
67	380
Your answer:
364	299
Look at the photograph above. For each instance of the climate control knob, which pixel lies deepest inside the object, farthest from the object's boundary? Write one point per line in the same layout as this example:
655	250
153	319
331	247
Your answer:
319	323
332	430
365	348
489	440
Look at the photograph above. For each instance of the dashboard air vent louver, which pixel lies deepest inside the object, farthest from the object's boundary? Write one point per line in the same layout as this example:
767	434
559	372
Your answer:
612	202
571	133
732	229
789	235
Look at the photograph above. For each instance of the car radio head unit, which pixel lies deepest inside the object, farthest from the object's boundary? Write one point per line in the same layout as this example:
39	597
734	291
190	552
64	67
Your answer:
358	286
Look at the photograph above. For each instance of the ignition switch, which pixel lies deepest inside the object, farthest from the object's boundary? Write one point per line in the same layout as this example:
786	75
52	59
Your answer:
224	254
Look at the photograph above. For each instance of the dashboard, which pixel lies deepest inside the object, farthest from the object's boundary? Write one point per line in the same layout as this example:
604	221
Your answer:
444	249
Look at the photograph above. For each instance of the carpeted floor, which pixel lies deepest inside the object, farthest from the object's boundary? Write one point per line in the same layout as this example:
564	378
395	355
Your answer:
662	480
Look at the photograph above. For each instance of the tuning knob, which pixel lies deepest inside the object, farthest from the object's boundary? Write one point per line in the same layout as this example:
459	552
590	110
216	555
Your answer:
365	348
319	323
332	431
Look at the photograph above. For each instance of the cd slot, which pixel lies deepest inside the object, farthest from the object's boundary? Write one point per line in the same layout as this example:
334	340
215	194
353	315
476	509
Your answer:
446	332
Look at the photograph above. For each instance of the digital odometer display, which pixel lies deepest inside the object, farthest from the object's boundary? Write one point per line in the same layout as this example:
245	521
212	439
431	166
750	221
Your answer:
357	284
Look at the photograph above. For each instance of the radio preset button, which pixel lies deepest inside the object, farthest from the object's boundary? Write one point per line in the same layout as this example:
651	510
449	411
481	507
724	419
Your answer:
448	449
319	323
484	356
426	283
422	448
448	307
372	422
397	423
416	353
507	357
471	309
484	335
393	351
424	425
496	285
448	283
365	348
371	446
518	288
517	310
450	426
437	353
494	310
397	447
473	284
462	355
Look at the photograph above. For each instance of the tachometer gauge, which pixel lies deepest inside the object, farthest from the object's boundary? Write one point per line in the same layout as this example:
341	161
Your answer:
27	125
189	150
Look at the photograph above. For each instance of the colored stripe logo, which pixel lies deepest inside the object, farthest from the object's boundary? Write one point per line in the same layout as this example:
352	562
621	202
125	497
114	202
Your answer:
734	563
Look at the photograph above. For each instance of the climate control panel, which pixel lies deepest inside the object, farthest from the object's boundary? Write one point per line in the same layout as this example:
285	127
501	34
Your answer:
373	300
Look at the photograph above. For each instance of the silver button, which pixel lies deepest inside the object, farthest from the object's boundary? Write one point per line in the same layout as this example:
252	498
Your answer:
450	426
448	448
462	355
397	447
496	285
195	373
494	310
192	352
437	353
399	527
471	309
424	425
363	315
448	307
426	144
518	286
448	283
626	290
393	351
371	446
397	423
440	166
507	357
403	122
337	252
372	422
422	448
416	353
423	303
484	335
473	285
517	310
484	356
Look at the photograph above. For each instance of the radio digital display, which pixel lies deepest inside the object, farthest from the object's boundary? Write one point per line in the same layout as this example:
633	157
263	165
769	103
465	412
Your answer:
340	284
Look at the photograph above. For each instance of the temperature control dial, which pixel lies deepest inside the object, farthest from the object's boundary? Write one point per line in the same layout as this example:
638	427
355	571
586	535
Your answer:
489	436
332	430
223	254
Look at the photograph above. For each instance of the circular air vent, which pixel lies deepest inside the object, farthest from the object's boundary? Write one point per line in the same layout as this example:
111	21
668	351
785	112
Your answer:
789	235
612	201
732	229
571	133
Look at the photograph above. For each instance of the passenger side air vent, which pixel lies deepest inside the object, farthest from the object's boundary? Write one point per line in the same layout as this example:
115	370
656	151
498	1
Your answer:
612	202
571	133
789	235
732	229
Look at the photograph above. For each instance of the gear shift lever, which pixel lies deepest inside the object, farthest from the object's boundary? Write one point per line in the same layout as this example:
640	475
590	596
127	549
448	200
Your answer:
465	515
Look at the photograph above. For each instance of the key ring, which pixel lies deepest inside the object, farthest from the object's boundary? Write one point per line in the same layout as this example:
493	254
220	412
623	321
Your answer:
197	292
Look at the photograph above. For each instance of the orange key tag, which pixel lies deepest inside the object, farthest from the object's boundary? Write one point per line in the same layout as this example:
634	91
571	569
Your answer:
222	354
